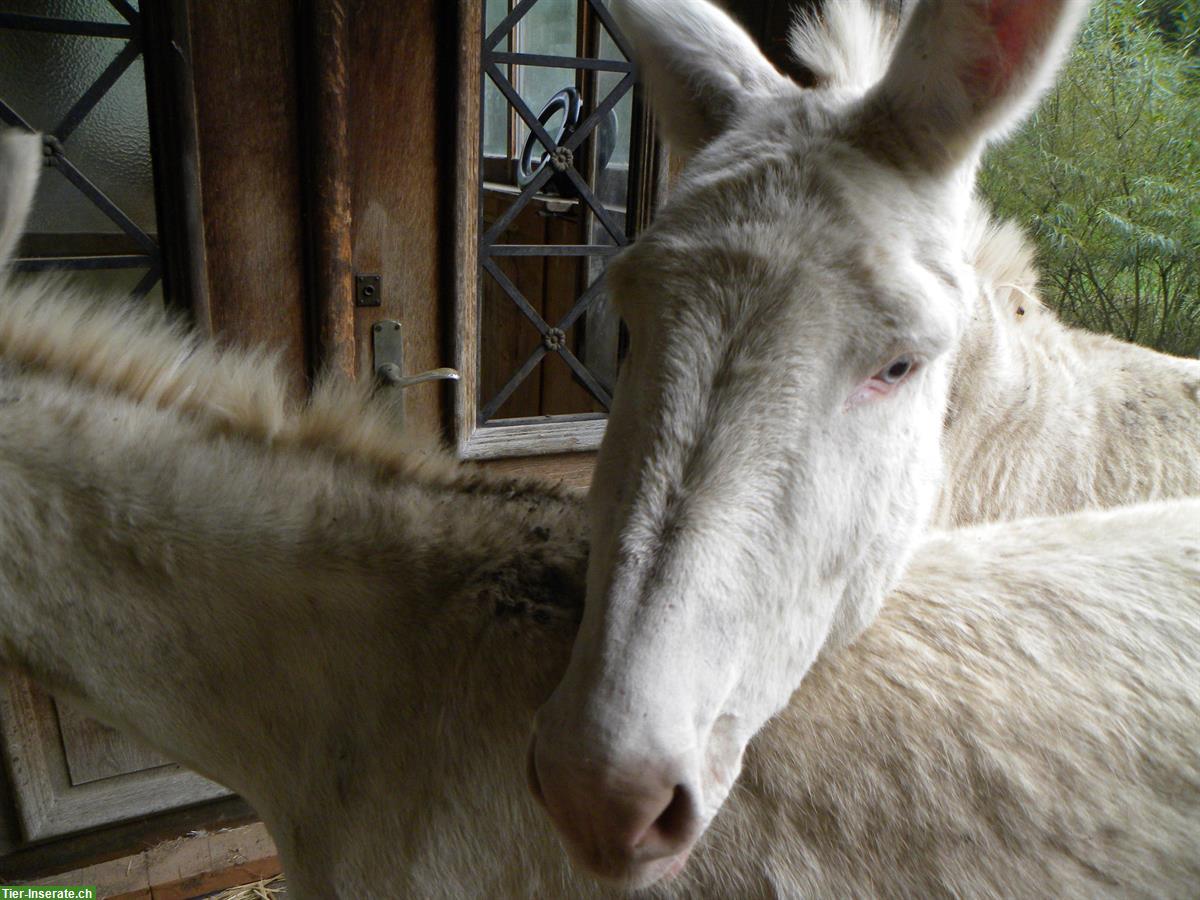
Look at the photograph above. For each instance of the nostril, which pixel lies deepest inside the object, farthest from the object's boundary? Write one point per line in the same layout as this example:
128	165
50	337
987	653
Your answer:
675	822
674	825
531	776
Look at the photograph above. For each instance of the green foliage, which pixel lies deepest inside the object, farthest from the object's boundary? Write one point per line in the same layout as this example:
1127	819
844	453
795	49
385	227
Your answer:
1107	175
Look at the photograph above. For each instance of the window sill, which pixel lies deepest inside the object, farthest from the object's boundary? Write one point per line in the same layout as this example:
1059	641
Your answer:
535	437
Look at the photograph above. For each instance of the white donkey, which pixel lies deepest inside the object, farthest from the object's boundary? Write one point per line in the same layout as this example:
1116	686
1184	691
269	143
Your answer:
356	639
805	323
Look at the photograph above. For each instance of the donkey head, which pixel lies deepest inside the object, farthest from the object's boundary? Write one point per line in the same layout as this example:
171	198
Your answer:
20	164
773	449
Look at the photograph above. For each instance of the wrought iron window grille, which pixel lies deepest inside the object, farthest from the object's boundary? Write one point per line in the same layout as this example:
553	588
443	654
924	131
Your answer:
561	160
54	142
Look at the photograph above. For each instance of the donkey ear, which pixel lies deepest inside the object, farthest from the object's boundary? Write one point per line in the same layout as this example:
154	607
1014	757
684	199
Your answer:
20	164
698	65
966	72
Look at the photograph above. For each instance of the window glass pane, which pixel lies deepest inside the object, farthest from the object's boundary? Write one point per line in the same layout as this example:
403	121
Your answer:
495	121
42	76
112	147
550	28
536	86
624	117
495	107
495	11
608	47
624	109
80	10
89	92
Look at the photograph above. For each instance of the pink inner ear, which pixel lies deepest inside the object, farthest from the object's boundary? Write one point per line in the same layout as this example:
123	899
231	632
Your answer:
1015	25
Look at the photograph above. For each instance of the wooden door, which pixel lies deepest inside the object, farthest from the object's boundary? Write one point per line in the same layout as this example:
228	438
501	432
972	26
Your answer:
69	773
397	165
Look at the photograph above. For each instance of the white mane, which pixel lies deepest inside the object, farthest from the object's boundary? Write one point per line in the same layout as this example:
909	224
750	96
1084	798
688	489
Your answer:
848	44
1004	258
142	353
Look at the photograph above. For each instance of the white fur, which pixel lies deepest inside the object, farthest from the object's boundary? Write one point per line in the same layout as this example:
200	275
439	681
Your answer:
845	45
749	513
753	519
1046	419
360	656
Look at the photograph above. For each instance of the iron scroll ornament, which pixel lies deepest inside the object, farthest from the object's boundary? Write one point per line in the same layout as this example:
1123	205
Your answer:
567	102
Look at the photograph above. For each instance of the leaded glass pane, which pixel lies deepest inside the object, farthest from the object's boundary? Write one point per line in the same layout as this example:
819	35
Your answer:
624	108
82	84
551	28
77	10
495	116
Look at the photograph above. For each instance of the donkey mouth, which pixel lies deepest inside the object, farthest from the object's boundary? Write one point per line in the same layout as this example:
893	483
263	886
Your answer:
662	871
618	870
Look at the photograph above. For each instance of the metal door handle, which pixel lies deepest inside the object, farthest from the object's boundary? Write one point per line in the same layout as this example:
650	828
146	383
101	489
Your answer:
390	374
387	342
388	345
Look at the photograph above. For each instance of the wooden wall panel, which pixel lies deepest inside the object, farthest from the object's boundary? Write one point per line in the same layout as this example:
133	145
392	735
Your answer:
95	751
401	121
506	336
50	803
573	470
551	285
324	114
244	71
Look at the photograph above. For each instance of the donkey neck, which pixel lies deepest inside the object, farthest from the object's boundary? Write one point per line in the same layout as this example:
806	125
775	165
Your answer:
1045	419
1007	399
